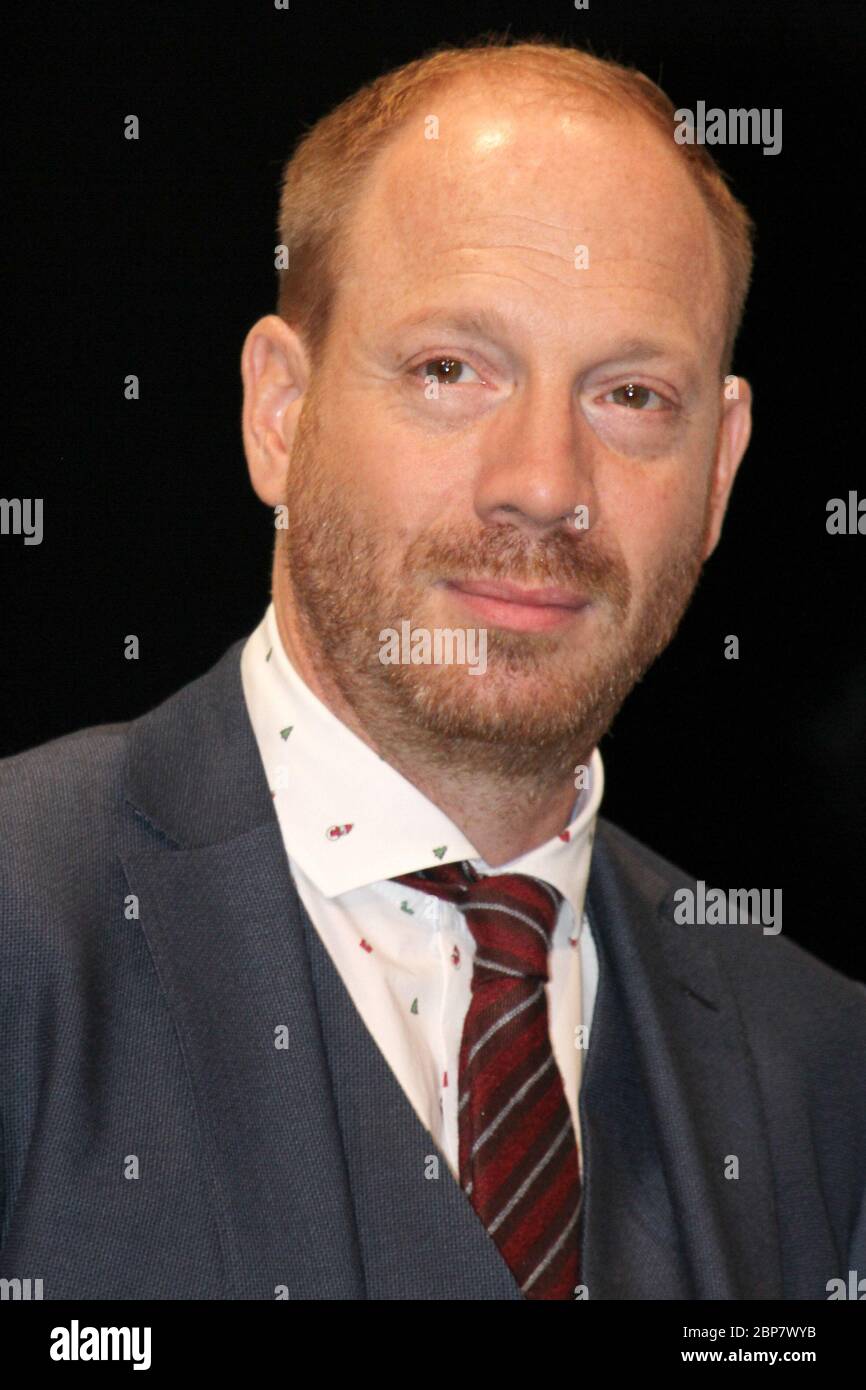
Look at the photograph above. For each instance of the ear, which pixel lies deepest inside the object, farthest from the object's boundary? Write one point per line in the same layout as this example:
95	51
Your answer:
275	371
735	428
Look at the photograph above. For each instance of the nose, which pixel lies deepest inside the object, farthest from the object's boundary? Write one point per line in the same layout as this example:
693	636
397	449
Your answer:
536	463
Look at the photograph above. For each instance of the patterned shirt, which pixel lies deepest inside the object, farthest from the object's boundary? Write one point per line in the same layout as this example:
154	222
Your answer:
350	822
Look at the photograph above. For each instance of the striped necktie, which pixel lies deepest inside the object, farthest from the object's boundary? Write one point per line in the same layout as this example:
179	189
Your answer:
518	1152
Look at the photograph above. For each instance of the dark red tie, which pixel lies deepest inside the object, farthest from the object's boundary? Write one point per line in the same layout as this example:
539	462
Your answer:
518	1152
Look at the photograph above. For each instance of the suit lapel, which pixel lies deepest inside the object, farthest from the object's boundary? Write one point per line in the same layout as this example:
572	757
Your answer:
630	1248
669	1099
218	910
420	1235
232	962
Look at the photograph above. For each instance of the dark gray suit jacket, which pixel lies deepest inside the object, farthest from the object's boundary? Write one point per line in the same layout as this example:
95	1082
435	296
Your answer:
156	1144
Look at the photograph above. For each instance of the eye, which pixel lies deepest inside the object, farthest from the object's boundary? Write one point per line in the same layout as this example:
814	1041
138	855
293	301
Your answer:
636	397
444	370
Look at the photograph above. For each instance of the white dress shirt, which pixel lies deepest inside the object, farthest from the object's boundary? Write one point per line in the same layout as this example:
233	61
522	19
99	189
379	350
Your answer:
350	822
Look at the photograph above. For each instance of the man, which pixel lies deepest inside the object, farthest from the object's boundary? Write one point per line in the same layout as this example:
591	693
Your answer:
326	979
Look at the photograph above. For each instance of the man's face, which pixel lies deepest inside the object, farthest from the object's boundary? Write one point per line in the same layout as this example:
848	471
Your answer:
566	378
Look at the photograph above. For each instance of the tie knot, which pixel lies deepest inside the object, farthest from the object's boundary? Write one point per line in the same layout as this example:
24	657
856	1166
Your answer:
511	916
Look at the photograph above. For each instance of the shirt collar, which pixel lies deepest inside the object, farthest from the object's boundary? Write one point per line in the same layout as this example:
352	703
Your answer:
348	818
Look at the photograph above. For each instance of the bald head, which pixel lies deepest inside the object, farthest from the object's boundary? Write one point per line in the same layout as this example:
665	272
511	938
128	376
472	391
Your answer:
576	216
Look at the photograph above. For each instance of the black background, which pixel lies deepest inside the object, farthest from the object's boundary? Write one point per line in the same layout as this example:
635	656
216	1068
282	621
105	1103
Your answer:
155	257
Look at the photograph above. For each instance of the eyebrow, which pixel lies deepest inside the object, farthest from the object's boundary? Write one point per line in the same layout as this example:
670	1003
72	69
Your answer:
485	322
489	322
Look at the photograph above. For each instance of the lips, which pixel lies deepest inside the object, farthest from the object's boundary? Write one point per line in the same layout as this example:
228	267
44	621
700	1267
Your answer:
512	593
505	605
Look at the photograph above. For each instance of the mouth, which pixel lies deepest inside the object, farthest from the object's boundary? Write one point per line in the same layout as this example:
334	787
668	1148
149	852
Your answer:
522	610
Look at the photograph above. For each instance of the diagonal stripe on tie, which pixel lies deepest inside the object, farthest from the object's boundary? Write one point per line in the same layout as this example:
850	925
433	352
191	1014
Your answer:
518	1150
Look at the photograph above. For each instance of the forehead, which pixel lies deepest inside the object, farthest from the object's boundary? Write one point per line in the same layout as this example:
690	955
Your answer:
510	188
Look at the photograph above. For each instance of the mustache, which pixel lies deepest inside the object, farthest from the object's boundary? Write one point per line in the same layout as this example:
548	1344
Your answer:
502	553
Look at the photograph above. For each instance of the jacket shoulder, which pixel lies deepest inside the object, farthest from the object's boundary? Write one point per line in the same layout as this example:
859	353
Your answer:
769	972
64	808
57	800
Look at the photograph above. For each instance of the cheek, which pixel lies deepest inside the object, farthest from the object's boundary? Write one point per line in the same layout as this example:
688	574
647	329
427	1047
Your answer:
383	492
368	458
658	520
